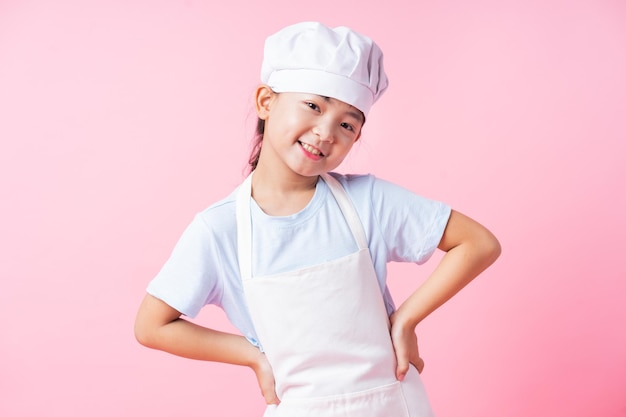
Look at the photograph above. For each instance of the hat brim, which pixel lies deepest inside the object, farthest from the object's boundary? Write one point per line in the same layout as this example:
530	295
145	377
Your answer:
324	84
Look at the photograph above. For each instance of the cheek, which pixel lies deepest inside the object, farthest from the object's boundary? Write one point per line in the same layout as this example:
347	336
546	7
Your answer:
343	150
347	142
288	123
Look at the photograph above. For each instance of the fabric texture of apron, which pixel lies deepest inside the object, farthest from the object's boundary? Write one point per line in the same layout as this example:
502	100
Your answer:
325	331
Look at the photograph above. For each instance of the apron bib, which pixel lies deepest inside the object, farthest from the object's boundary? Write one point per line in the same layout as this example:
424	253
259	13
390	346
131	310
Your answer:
325	331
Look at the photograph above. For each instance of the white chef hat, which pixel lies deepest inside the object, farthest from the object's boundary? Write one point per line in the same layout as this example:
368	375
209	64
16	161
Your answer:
311	58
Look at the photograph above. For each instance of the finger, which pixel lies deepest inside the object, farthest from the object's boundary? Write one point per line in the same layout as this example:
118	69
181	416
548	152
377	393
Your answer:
269	395
402	364
419	365
271	398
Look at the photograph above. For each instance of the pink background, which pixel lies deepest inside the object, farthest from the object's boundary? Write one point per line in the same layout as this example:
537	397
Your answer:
121	119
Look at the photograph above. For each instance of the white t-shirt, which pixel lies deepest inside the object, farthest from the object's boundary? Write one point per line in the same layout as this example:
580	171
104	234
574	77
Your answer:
203	267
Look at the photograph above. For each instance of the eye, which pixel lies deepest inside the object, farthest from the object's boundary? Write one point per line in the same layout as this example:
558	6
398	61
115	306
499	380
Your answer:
347	126
312	106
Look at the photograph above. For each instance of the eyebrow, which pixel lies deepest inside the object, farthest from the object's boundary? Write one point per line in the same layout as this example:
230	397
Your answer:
355	114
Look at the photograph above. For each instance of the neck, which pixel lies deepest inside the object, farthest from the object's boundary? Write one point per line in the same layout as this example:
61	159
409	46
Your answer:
279	195
282	181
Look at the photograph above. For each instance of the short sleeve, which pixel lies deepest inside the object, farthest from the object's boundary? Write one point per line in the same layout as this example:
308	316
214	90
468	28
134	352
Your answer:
412	226
187	281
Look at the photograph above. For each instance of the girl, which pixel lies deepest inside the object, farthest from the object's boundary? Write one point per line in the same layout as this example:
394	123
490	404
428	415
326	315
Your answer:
296	256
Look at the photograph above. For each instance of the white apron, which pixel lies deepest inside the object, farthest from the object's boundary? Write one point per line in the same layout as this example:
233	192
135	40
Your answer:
325	331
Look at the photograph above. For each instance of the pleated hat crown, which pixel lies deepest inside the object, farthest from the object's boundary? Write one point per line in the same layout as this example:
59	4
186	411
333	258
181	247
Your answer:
336	62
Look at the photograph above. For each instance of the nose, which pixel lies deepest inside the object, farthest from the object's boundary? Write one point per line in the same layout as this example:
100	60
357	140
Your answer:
324	131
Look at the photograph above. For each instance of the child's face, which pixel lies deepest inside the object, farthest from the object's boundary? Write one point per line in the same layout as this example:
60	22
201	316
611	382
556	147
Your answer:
309	134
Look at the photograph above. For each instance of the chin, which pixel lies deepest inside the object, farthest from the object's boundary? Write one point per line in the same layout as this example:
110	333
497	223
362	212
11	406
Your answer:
312	170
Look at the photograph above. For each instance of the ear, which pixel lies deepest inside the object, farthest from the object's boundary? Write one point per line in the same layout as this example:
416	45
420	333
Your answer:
263	98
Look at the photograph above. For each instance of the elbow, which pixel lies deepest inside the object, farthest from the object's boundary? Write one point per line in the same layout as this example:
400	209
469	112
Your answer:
491	248
152	315
142	335
145	334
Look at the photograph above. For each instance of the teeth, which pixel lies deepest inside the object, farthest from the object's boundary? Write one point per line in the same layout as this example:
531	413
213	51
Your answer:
310	149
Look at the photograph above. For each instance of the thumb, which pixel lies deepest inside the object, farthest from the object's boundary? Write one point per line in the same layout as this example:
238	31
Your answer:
269	391
402	360
271	397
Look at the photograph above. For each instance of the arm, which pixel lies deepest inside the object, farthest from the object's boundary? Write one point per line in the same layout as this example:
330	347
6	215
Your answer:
159	326
470	248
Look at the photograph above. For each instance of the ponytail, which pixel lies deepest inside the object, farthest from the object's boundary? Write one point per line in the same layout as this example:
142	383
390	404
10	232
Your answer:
256	146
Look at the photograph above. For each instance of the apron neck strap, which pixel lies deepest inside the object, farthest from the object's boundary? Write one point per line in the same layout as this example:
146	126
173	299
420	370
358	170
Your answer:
348	210
244	228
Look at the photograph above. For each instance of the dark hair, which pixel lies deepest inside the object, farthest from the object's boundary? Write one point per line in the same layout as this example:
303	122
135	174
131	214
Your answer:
256	145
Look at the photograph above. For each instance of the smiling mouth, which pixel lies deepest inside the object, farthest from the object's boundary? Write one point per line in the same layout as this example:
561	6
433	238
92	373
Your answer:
310	149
